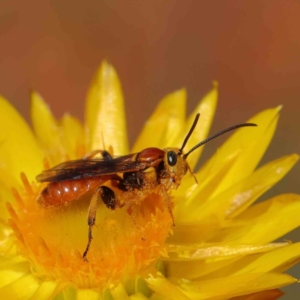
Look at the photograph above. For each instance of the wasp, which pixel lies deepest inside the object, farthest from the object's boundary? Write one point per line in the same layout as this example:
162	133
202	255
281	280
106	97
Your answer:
117	180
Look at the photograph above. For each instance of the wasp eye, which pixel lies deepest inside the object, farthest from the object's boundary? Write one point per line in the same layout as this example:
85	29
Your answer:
172	158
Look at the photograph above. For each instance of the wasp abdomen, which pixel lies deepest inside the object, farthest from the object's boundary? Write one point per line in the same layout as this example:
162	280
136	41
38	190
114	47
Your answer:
62	192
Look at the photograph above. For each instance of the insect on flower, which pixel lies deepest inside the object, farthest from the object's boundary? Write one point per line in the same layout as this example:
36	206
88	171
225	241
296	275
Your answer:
119	181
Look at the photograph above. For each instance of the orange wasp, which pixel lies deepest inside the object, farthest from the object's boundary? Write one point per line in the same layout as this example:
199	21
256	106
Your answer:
142	172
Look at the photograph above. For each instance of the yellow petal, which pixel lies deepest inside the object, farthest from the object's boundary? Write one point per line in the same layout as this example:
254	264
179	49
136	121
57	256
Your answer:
86	294
119	293
16	290
231	286
206	108
105	112
278	260
189	252
265	295
164	287
194	269
60	140
73	136
251	143
206	263
165	123
240	196
43	122
19	151
46	290
11	271
228	287
281	212
270	174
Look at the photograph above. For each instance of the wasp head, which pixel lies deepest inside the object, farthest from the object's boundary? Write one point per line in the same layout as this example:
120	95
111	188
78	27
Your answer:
174	168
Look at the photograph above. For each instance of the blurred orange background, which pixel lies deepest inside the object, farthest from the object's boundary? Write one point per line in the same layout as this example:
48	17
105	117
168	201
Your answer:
251	47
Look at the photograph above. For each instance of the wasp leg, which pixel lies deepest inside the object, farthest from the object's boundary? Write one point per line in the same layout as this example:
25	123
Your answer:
163	192
192	173
105	154
109	199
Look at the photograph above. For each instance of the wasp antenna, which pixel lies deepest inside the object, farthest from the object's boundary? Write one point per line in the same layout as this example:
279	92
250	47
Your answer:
216	135
189	134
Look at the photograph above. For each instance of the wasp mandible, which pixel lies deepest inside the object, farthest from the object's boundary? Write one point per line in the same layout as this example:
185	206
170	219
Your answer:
142	171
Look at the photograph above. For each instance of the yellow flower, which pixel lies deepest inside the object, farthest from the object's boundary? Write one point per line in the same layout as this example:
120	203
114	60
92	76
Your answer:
220	248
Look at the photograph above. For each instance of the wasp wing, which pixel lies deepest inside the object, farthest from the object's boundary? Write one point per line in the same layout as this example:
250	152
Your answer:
86	168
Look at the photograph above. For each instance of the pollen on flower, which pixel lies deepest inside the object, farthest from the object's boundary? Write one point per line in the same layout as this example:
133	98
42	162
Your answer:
125	241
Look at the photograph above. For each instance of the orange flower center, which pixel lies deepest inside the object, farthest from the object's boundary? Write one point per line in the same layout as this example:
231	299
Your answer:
53	239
